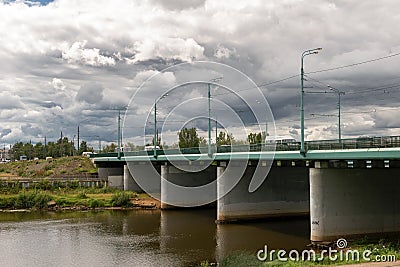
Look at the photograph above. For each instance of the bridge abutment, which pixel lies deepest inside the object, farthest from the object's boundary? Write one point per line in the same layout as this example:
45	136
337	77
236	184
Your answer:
285	192
113	175
143	177
347	200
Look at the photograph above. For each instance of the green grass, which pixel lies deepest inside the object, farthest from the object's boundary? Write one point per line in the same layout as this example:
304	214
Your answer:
66	197
54	168
381	248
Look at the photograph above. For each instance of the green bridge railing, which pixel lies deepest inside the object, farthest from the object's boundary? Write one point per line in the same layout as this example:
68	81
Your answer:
351	143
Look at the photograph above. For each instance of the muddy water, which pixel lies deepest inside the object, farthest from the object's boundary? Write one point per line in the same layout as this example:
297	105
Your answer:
136	238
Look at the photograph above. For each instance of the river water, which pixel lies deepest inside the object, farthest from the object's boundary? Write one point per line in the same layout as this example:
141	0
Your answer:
136	237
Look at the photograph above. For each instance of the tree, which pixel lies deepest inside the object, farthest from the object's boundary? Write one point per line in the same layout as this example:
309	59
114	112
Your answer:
189	138
110	148
255	138
38	150
82	147
158	142
225	139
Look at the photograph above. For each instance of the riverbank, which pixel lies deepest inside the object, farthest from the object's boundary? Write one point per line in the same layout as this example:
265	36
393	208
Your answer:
73	199
358	253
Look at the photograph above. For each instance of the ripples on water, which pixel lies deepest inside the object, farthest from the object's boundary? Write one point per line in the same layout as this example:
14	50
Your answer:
136	238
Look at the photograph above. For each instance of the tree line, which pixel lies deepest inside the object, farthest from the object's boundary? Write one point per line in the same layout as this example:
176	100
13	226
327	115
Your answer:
188	137
62	147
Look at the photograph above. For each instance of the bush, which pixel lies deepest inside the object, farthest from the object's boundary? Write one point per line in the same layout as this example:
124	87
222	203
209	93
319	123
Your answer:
44	184
41	200
73	185
24	200
95	203
6	202
121	199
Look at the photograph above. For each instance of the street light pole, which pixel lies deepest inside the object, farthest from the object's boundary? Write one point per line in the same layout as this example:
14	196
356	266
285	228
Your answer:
209	113
209	121
304	54
155	129
155	124
119	134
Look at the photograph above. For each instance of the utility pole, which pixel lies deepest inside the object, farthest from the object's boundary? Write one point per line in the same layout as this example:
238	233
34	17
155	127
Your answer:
209	113
119	134
61	145
44	150
209	121
339	93
216	132
155	130
78	138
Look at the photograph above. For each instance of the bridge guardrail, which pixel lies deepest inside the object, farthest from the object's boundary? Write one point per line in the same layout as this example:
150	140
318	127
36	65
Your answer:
350	143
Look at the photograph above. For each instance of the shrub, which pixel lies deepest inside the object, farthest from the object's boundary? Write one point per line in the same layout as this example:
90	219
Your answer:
6	202
73	185
24	200
41	200
48	167
121	199
95	203
44	184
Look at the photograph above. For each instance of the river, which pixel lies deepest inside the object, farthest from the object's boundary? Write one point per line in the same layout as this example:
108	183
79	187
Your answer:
136	237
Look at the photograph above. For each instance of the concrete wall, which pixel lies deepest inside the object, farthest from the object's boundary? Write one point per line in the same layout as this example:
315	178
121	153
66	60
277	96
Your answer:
153	183
353	202
285	192
143	177
187	188
114	176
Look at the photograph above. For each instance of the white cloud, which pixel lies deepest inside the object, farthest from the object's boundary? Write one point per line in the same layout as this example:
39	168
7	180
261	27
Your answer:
224	52
169	48
58	84
77	53
10	101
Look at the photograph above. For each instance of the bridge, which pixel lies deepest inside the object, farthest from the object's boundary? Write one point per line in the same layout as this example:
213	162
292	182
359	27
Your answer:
348	188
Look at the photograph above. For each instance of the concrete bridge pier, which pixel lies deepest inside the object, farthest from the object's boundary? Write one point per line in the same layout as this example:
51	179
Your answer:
188	184
354	199
143	177
285	191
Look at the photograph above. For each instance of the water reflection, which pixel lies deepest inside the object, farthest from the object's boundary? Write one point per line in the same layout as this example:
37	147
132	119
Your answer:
192	234
135	238
277	234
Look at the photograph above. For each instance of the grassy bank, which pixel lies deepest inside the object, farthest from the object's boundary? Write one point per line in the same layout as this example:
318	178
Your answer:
79	198
384	250
48	168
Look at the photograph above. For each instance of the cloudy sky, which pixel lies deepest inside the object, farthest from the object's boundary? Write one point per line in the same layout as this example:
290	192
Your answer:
66	63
